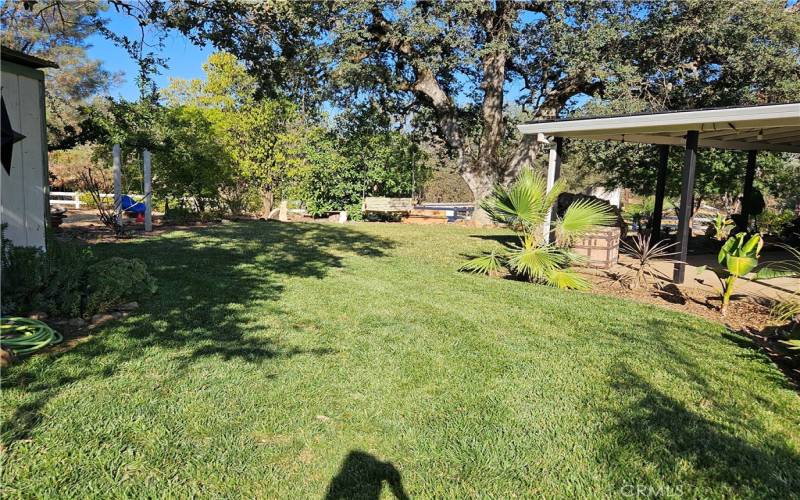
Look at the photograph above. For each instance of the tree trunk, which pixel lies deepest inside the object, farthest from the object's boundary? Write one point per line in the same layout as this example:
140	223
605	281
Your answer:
267	200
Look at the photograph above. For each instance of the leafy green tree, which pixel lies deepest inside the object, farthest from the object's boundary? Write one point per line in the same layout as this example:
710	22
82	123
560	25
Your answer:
450	65
190	161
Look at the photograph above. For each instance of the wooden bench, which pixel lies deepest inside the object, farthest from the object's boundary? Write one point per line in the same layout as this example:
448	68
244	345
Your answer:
375	204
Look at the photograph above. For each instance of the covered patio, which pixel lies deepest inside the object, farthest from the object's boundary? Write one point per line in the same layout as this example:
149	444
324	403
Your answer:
773	127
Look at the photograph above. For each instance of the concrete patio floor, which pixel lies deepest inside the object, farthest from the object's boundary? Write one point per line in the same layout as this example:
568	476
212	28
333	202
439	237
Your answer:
708	281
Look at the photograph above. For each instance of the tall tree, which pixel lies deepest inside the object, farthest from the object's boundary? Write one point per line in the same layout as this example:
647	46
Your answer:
447	64
60	34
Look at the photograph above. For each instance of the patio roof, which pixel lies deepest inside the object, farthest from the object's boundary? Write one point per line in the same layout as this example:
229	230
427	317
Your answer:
772	127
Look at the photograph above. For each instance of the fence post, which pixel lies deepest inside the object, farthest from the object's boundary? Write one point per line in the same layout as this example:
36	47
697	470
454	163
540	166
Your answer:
148	192
117	166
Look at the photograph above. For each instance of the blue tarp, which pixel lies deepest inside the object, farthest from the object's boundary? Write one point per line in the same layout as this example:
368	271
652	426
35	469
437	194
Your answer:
129	205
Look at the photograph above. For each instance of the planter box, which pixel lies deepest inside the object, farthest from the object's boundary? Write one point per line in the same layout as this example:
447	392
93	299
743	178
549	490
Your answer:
600	247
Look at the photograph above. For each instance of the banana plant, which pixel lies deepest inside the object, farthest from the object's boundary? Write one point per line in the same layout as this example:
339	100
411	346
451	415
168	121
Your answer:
737	257
721	227
524	207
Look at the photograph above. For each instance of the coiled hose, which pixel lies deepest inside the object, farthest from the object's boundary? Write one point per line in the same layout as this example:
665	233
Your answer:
25	336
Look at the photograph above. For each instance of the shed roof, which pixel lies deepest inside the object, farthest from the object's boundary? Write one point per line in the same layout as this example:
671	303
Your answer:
771	127
23	59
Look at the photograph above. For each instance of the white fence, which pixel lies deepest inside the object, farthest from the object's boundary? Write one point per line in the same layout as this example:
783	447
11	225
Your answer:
73	198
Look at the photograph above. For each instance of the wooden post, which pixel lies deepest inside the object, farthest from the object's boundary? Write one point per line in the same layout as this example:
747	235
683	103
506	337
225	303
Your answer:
553	173
116	155
747	192
661	185
685	214
148	192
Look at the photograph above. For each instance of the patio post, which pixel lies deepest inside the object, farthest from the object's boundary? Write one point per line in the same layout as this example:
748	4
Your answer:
687	201
553	173
661	185
747	192
116	155
148	192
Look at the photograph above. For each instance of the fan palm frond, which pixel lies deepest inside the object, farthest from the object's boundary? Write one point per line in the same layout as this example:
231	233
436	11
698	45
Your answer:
581	217
566	279
535	261
491	263
525	204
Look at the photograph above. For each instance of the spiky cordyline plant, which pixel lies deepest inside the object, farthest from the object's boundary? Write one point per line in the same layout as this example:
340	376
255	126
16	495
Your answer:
524	207
646	253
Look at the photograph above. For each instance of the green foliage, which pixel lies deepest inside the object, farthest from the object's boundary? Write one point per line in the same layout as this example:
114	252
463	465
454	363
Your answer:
787	308
737	257
720	227
774	222
524	207
116	280
190	161
66	269
641	213
64	281
23	277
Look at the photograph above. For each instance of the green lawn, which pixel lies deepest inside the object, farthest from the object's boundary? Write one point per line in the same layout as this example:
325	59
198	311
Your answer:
299	360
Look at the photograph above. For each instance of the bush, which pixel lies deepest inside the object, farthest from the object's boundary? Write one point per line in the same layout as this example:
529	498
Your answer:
114	281
66	267
773	222
64	282
23	275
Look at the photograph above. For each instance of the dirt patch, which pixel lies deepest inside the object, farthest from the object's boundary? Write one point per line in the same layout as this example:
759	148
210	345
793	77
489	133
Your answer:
743	311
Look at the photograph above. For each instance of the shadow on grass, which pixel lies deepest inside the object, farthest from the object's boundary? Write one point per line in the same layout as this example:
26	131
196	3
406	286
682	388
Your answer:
507	240
210	283
362	476
654	439
657	441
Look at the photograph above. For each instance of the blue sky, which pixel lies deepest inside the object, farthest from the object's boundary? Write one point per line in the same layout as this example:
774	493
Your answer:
183	57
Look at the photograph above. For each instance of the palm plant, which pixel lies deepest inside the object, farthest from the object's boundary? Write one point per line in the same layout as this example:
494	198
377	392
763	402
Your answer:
524	207
645	253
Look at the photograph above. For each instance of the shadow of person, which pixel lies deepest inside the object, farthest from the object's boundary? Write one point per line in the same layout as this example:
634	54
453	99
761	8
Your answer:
362	475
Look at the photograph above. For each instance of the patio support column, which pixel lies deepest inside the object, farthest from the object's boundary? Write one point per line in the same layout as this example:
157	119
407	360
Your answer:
747	192
553	173
687	200
661	185
148	192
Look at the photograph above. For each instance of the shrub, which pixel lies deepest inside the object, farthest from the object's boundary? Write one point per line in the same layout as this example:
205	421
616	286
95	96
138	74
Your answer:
66	267
65	283
773	222
116	280
23	275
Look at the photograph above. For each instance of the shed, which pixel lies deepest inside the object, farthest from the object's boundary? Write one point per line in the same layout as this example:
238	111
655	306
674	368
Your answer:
24	207
770	127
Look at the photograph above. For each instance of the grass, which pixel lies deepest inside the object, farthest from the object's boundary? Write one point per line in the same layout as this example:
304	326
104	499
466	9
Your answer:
305	360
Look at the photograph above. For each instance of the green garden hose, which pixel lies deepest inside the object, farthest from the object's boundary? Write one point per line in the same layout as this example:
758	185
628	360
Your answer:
24	336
